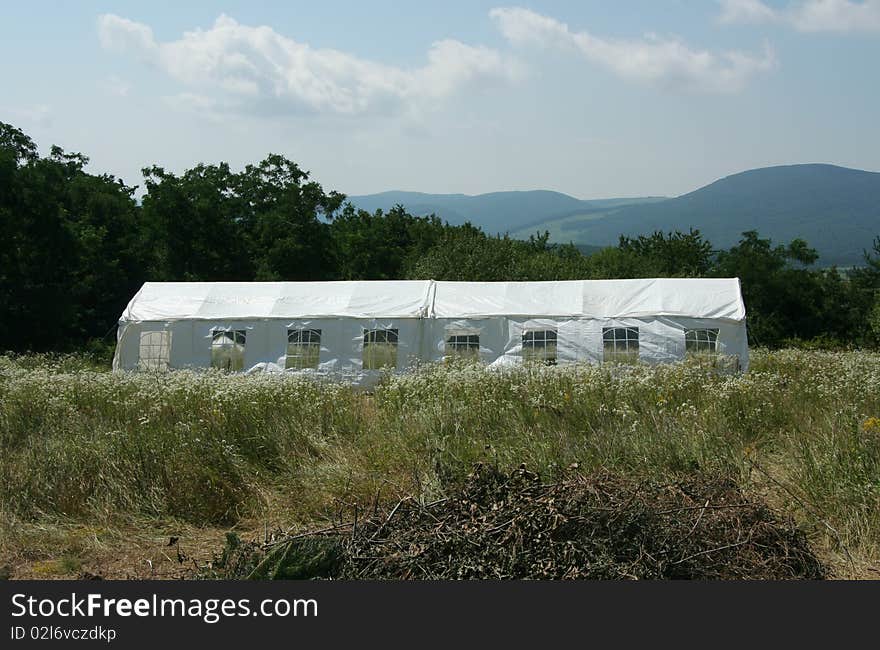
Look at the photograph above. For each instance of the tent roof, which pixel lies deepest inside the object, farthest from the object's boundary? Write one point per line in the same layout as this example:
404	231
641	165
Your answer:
695	298
244	300
718	298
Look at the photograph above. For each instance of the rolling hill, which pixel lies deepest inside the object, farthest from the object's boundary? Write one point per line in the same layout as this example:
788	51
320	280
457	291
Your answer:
835	209
496	212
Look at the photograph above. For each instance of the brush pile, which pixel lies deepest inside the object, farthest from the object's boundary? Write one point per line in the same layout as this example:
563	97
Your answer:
513	526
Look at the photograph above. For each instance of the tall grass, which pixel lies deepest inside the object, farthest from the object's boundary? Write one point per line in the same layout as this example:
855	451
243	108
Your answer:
78	443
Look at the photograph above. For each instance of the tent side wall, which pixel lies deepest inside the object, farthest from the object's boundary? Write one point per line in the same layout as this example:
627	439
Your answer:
266	342
341	340
580	339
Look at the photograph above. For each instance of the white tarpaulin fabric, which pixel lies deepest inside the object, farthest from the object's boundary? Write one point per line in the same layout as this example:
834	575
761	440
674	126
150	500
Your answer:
691	298
208	300
350	327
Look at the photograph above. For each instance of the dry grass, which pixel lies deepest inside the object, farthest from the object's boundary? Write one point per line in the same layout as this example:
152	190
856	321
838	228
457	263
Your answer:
96	466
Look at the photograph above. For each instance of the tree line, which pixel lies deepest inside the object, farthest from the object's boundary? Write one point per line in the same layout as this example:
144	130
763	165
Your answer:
76	246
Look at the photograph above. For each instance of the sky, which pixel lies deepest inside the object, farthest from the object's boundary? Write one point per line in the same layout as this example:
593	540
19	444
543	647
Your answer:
593	98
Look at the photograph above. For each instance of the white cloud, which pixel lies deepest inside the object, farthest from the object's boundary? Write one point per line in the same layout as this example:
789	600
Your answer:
232	66
665	62
807	15
113	85
117	33
36	115
745	11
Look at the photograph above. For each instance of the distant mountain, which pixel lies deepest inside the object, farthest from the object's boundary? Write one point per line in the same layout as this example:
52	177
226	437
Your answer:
835	209
497	212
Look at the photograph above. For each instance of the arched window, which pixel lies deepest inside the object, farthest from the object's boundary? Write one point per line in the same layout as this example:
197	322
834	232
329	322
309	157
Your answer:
620	344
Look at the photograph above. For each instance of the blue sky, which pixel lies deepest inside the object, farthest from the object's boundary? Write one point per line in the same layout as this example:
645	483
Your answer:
595	99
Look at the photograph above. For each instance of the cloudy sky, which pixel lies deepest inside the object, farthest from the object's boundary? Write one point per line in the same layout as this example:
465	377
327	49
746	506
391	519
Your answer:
592	98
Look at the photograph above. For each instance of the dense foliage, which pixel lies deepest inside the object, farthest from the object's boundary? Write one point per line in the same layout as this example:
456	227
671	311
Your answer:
77	246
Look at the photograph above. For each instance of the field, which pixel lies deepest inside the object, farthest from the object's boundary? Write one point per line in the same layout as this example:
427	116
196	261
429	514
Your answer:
141	474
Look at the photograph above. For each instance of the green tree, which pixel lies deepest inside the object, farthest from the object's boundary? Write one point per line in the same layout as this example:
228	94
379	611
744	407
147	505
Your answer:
865	299
289	218
198	224
268	222
382	246
783	299
72	253
874	318
674	254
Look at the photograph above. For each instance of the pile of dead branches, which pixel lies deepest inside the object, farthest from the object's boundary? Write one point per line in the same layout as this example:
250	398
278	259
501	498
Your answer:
512	525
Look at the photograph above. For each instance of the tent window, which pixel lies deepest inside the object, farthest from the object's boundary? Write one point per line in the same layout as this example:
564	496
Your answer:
620	344
227	349
463	345
703	341
303	348
539	346
154	352
380	349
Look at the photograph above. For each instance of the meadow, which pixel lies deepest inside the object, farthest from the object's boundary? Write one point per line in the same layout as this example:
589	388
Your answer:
98	469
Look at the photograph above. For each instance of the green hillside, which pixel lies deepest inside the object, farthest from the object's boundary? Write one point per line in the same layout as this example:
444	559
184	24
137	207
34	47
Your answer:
837	210
496	212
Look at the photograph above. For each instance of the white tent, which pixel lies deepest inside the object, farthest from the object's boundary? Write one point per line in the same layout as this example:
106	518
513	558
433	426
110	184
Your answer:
354	330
